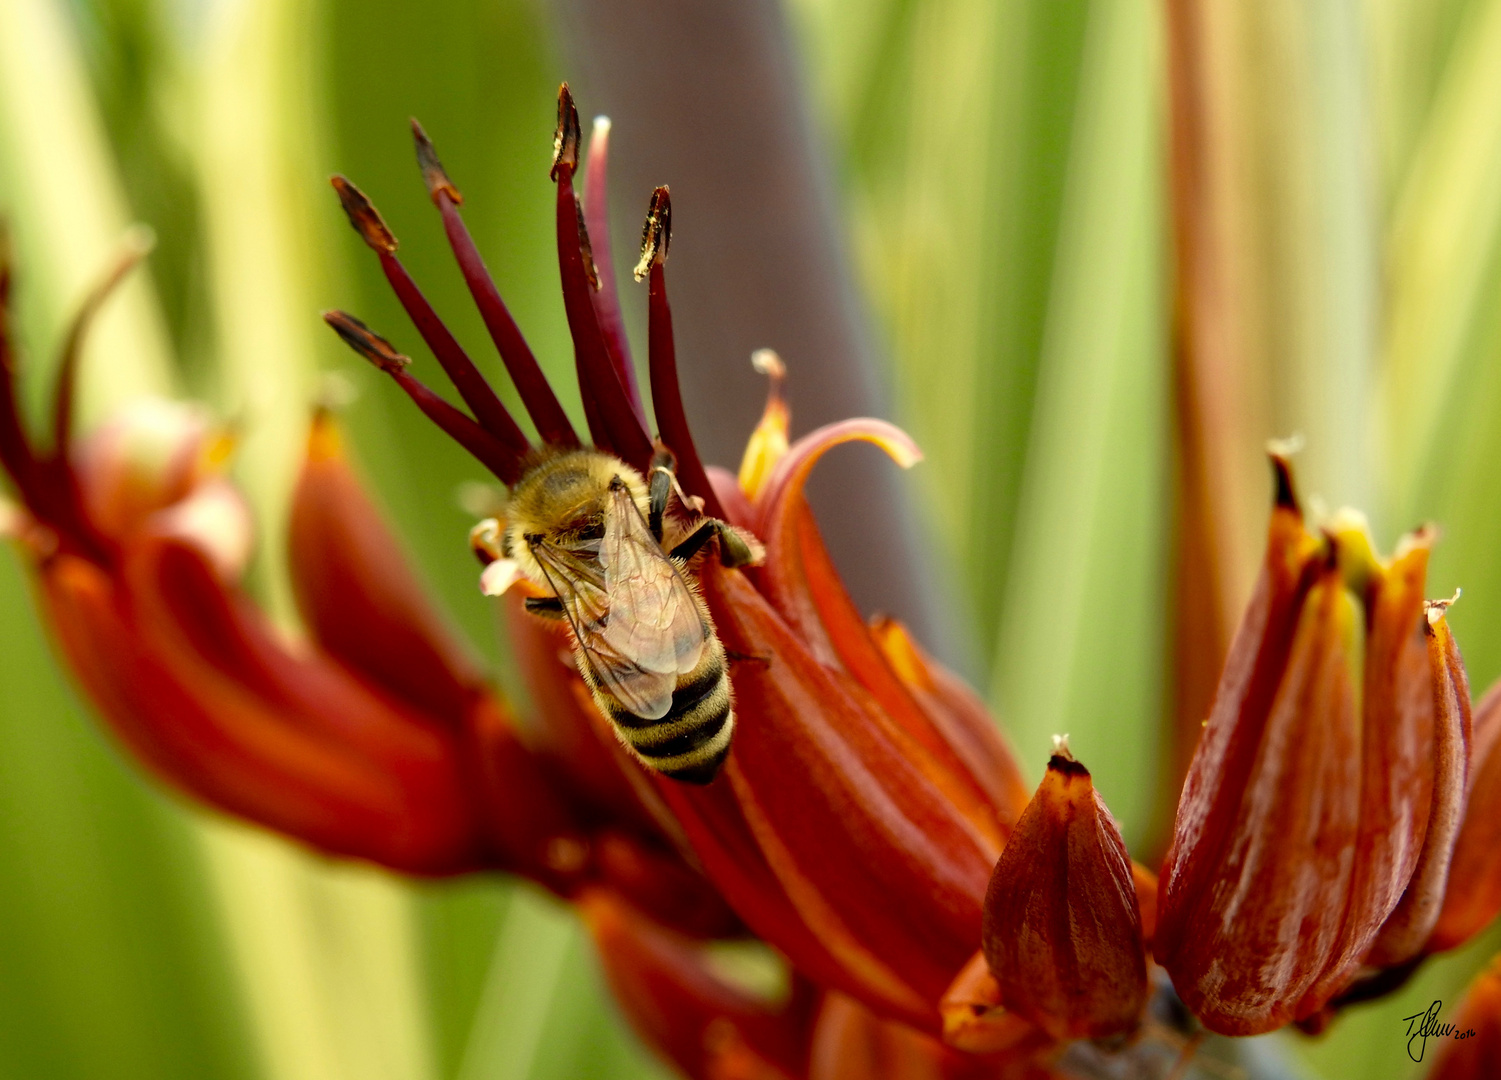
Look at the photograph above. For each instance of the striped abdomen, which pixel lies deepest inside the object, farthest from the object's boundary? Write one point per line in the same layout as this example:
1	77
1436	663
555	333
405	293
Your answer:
690	742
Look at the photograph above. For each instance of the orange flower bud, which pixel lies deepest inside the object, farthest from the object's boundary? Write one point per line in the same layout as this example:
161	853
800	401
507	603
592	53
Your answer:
1062	928
358	595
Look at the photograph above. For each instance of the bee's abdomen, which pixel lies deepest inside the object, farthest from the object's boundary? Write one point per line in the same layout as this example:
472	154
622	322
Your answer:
690	742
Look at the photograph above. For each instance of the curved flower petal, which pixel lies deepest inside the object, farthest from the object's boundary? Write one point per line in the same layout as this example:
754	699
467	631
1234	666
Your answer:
975	1019
840	812
1409	925
801	582
1397	773
1251	907
704	1025
1474	897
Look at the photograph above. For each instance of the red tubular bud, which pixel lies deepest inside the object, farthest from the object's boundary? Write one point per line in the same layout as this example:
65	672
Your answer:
1315	828
358	595
1062	931
194	681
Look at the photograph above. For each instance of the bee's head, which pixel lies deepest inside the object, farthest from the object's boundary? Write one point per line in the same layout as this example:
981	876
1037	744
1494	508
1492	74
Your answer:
563	500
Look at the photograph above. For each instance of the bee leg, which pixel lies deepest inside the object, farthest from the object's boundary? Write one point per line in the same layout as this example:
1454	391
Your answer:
658	491
764	659
548	607
694	541
734	550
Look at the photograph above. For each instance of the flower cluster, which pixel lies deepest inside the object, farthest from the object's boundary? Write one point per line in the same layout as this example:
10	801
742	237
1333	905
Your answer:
938	918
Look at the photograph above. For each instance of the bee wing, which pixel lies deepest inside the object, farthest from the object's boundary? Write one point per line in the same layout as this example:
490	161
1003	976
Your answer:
635	629
654	620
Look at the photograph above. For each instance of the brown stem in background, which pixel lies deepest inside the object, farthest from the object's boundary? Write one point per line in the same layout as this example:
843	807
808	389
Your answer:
708	98
1210	396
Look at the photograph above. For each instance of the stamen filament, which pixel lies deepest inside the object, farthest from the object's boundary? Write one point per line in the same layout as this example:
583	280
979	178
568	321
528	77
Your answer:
47	485
607	297
500	459
135	246
471	385
553	426
666	396
612	423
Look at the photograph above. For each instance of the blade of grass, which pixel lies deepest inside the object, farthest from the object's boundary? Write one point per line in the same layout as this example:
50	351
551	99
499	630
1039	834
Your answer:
328	953
1444	230
62	196
115	965
955	126
1080	636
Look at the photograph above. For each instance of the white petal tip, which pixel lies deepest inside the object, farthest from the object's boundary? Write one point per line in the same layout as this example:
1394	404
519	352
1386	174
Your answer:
499	576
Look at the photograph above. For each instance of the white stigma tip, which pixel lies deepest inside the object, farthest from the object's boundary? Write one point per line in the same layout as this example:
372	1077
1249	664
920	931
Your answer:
1286	448
767	362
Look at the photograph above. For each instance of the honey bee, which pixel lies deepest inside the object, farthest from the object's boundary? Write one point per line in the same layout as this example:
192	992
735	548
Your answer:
588	530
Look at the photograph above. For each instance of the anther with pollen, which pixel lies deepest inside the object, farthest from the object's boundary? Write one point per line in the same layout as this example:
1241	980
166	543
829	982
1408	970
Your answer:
672	420
502	460
471	385
614	423
542	405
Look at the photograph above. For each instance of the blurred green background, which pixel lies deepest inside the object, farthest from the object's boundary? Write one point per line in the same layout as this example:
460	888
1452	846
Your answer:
1002	166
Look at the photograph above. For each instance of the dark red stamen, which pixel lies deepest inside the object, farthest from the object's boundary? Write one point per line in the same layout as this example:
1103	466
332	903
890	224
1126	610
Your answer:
607	297
499	458
667	399
612	422
541	404
138	244
47	485
471	385
15	453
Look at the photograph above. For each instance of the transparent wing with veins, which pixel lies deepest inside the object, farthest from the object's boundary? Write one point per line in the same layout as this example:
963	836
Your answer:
632	613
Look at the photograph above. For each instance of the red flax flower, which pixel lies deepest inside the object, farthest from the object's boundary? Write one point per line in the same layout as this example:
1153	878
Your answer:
1316	826
868	821
860	769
